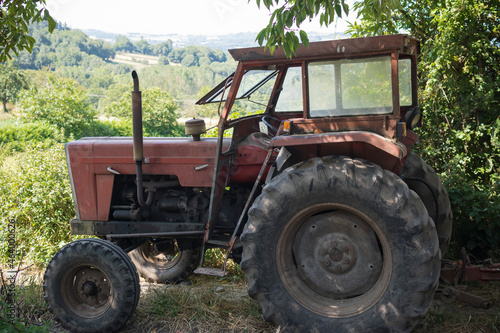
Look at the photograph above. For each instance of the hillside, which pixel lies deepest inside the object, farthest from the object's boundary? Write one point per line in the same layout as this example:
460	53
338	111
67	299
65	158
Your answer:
220	42
103	69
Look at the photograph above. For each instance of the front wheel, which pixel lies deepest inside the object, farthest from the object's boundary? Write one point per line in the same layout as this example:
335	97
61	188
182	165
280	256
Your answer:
91	285
340	245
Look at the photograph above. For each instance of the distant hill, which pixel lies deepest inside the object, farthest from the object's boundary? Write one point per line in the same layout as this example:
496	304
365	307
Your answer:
221	42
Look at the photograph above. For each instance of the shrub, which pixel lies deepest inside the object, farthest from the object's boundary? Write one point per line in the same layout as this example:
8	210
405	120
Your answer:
59	101
17	136
111	127
476	210
158	112
36	194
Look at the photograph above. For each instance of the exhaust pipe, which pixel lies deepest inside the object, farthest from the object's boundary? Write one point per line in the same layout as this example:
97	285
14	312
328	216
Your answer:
138	142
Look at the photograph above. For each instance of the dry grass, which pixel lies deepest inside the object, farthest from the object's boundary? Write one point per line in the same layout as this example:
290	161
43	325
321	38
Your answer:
210	305
6	115
450	315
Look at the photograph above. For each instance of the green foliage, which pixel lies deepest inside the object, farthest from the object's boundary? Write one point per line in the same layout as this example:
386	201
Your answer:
122	43
32	314
72	54
142	46
36	194
476	208
159	116
163	49
460	95
15	17
208	110
12	81
17	136
196	56
110	127
287	18
58	101
63	47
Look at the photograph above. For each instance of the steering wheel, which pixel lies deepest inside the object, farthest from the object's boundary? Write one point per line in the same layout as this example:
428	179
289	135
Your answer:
266	120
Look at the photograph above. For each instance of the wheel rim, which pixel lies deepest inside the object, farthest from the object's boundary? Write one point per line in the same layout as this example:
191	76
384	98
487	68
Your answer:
161	260
334	260
87	291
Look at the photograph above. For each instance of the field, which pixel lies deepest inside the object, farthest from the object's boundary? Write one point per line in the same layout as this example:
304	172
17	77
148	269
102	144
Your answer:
137	60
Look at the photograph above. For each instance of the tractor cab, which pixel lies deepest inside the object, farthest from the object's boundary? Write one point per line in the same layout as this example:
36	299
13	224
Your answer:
355	97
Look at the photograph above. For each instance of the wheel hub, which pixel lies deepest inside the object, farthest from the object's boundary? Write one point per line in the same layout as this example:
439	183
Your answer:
337	254
90	288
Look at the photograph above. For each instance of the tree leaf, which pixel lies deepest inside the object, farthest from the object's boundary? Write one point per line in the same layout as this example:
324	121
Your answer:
52	23
304	38
338	10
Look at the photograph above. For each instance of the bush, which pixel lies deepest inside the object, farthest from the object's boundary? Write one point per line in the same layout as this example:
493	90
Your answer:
17	136
476	210
159	117
58	101
112	127
36	194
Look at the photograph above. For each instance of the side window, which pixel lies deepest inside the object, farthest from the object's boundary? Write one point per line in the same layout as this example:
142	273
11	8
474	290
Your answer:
350	87
367	85
290	98
322	91
405	91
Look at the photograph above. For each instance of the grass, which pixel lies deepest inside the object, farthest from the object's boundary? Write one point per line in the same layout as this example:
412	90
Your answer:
31	314
210	305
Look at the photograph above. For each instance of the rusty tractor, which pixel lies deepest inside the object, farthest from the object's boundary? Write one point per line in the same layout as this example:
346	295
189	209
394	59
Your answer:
311	185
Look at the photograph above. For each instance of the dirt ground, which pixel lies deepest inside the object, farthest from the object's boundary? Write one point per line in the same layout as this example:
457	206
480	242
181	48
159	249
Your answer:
445	314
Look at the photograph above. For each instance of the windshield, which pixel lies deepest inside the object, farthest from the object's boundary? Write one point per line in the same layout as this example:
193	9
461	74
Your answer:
290	98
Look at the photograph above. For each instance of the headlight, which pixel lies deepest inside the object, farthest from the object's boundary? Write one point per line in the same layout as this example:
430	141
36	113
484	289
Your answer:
413	118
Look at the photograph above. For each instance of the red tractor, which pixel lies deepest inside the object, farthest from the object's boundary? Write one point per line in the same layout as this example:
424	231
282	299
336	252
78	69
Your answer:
311	185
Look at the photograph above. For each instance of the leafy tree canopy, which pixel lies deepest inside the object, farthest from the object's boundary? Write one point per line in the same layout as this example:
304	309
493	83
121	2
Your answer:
15	17
459	90
58	101
190	56
460	95
159	115
288	16
12	81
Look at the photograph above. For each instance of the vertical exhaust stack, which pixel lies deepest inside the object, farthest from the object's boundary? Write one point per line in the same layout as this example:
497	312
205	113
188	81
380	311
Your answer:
138	141
137	119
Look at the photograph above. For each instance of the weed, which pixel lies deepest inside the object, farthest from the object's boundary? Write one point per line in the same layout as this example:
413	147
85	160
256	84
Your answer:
22	307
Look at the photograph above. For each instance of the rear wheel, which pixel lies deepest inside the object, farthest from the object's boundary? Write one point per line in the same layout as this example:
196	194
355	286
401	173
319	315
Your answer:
91	285
422	179
163	262
340	245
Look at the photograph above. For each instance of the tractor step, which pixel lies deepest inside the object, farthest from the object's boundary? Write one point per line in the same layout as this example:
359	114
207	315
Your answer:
222	243
210	271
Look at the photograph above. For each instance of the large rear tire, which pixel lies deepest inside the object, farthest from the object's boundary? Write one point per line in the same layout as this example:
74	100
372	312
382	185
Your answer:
340	245
421	178
91	285
164	265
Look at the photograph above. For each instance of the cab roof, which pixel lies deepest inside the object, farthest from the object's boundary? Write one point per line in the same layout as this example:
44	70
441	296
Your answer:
342	47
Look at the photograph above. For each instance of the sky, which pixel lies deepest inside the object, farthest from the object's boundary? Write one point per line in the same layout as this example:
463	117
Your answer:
196	17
